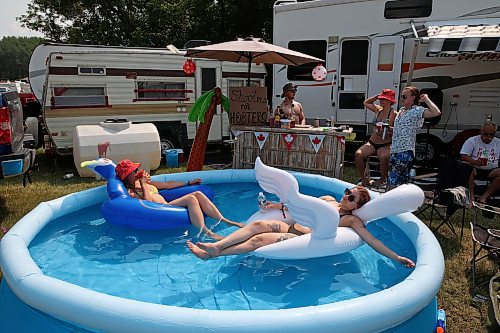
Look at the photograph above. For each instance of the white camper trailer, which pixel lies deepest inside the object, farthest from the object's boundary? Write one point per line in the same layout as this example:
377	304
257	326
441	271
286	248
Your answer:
448	48
85	85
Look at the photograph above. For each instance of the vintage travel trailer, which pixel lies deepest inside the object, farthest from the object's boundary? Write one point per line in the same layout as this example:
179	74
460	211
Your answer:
448	48
85	85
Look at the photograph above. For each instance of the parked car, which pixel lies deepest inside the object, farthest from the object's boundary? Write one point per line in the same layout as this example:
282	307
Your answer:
17	149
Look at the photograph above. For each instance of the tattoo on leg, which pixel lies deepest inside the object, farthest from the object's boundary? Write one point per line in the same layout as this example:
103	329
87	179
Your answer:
282	238
275	227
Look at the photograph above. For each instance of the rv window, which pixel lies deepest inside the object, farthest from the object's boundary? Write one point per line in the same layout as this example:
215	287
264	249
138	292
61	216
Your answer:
89	70
351	100
64	97
242	83
354	57
386	57
407	9
158	91
315	48
208	79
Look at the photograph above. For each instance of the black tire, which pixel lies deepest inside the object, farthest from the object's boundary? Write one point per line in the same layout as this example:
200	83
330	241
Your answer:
432	145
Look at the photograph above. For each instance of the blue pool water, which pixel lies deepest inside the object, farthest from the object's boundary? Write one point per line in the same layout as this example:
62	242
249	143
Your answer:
156	266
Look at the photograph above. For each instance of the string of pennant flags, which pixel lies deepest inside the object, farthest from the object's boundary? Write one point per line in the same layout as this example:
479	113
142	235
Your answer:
289	139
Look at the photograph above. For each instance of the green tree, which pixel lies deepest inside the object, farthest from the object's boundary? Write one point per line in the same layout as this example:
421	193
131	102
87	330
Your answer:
15	53
154	23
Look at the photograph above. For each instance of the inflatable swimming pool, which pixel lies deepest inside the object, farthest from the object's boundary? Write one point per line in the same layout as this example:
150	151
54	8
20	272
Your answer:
121	209
30	299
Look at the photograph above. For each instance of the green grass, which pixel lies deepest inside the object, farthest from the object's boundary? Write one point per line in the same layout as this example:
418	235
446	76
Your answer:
455	295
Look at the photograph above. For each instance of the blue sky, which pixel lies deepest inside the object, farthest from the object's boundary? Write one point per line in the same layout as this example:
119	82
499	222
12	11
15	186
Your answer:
9	11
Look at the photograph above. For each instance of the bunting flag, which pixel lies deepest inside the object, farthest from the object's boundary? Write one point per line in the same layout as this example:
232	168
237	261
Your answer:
341	140
289	139
261	138
316	141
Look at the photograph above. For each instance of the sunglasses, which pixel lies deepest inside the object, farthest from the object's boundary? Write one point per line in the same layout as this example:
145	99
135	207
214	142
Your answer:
404	97
350	197
138	173
488	134
292	90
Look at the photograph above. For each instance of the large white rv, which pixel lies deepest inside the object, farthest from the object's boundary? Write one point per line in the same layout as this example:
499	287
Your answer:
448	48
84	85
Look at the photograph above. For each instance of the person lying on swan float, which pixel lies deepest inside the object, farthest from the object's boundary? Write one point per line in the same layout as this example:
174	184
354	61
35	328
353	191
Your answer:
142	203
320	226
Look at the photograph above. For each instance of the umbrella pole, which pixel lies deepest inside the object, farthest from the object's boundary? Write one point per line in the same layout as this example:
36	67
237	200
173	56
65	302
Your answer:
249	71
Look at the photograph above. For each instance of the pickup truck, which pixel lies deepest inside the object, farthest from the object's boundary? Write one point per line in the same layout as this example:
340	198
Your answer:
17	149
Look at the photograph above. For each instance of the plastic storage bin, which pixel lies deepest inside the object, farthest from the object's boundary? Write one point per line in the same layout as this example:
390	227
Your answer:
172	158
12	167
136	142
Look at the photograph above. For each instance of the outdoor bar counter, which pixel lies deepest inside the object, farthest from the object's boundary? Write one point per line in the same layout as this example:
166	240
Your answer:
318	150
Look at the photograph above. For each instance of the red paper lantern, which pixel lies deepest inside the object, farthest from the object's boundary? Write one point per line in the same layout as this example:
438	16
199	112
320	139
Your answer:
189	67
319	72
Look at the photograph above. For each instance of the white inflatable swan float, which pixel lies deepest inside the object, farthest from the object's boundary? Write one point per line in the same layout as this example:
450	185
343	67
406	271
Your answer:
326	237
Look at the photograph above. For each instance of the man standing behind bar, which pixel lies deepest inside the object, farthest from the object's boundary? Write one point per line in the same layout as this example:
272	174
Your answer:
290	106
482	151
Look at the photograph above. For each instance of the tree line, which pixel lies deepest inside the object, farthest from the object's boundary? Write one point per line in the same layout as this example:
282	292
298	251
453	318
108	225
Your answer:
148	23
144	23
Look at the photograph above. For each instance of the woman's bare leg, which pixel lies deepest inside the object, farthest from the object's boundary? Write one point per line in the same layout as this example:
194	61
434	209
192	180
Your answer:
195	213
248	245
211	210
359	157
244	234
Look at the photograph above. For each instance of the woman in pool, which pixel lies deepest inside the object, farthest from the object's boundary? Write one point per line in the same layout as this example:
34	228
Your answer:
265	232
139	185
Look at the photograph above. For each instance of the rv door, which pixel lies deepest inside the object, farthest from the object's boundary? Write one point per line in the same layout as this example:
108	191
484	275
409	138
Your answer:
386	55
208	76
353	76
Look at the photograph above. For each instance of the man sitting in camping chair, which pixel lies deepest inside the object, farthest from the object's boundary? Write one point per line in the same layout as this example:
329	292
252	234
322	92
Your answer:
482	151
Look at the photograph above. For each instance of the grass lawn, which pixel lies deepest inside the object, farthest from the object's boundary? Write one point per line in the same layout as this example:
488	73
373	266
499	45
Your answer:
455	296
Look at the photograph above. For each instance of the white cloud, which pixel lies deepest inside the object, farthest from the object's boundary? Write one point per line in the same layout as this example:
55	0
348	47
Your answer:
8	24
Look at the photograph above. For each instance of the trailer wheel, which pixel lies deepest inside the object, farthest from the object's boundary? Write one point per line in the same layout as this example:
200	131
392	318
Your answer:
430	144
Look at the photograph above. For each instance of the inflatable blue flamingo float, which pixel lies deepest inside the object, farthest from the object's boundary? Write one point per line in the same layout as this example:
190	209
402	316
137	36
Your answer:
122	209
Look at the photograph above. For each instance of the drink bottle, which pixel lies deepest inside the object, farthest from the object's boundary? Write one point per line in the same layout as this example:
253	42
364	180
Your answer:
441	321
261	200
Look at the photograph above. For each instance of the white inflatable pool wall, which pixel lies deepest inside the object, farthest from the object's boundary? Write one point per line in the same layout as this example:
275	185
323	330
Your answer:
100	312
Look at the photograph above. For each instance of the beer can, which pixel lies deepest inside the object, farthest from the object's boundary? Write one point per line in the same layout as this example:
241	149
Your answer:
316	122
413	173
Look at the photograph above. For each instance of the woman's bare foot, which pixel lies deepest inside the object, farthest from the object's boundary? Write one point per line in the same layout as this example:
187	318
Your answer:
197	251
482	199
210	248
378	183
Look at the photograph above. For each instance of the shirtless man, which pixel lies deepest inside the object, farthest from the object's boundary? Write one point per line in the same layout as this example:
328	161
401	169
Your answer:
290	106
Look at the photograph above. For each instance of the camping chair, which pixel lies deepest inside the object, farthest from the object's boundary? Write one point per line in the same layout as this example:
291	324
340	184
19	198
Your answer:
452	180
487	240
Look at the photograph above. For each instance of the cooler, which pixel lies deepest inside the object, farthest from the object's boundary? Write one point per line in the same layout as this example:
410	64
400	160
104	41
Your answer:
136	142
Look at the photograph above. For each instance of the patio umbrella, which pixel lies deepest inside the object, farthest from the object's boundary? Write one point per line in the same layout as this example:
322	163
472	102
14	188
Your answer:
251	50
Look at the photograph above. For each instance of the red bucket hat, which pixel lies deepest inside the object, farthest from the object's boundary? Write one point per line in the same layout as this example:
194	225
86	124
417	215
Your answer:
388	94
125	168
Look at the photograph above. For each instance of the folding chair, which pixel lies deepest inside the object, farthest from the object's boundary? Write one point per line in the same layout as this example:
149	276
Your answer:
451	175
487	240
